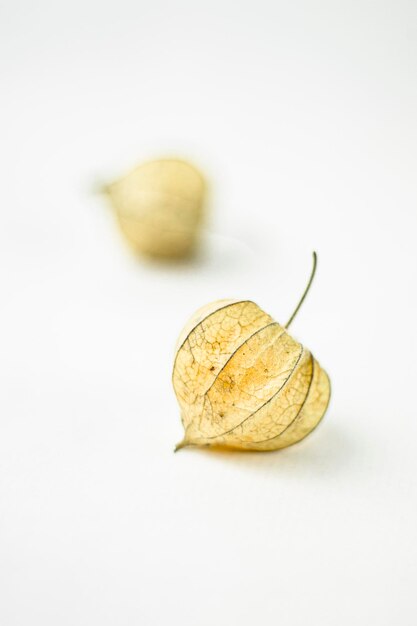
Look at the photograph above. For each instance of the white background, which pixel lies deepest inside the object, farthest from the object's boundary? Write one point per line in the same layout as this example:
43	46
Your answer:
303	117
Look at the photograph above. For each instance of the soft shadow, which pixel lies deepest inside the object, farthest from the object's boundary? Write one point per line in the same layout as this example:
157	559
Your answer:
329	449
214	253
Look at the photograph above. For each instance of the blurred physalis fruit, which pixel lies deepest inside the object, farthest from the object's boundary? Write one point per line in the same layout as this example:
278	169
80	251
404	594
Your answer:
159	206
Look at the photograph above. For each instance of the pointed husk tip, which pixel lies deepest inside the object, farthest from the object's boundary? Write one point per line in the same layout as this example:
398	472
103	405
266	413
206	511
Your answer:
182	444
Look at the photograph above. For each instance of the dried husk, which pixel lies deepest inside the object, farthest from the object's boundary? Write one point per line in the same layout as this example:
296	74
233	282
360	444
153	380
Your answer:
243	382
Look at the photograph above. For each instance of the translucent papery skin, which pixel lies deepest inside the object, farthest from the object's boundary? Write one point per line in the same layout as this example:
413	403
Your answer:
243	382
159	206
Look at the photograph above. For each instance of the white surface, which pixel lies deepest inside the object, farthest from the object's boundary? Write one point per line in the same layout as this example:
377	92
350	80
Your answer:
303	115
